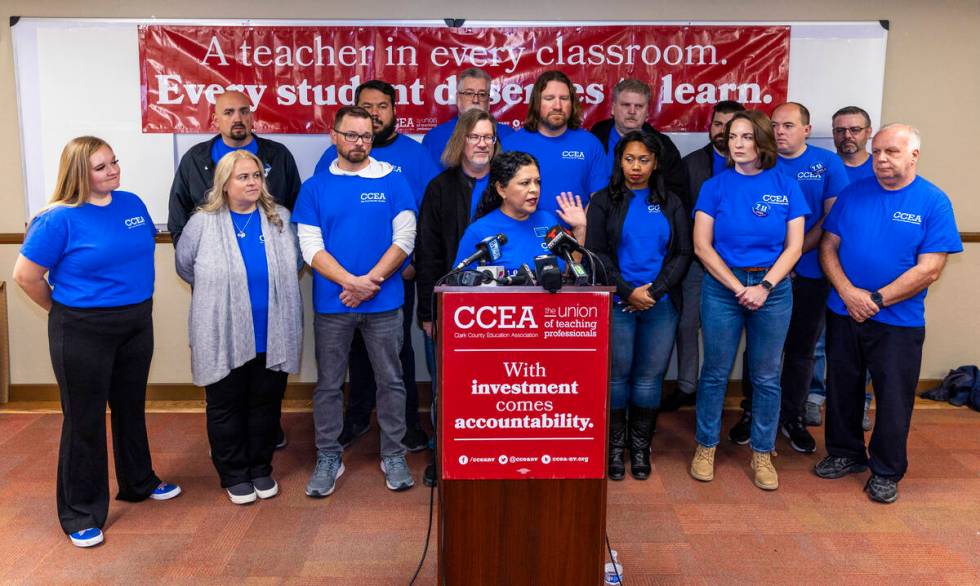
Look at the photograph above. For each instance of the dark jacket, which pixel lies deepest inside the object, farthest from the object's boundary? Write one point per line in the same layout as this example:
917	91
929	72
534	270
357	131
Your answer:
605	231
195	175
675	175
700	166
444	216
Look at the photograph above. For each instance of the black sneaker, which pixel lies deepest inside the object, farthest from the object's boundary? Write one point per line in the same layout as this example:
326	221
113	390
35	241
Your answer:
351	431
836	467
799	438
677	400
415	439
881	489
742	431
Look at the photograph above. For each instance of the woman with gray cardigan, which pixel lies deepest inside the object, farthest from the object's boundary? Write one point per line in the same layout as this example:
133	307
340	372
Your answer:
240	255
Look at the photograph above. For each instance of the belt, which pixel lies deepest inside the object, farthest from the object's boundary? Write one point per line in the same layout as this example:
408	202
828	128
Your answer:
754	269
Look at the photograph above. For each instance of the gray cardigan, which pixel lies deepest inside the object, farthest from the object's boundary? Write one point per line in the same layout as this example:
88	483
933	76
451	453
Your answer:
221	334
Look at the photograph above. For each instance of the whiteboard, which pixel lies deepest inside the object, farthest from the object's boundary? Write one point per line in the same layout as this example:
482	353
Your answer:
81	76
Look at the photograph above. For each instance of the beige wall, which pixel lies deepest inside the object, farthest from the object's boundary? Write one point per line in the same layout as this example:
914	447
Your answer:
933	63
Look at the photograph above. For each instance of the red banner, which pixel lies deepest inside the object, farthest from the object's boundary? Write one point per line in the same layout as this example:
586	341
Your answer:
297	77
524	384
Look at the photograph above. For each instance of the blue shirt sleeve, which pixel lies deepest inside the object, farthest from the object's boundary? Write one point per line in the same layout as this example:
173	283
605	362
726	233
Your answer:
707	199
941	232
838	180
46	239
325	159
797	201
306	211
832	221
403	197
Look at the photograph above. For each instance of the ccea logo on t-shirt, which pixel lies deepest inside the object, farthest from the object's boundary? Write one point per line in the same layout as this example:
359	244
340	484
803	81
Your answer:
780	200
542	232
576	155
814	173
135	222
907	218
373	197
760	209
654	208
262	239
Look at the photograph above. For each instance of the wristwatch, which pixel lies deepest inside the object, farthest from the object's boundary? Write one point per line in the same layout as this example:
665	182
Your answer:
876	297
766	285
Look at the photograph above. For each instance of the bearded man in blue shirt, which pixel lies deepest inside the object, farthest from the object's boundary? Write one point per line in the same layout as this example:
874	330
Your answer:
885	241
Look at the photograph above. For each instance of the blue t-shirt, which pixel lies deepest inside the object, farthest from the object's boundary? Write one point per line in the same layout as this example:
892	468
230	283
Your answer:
525	238
354	213
862	171
572	162
883	232
409	158
751	212
478	188
821	176
435	140
643	246
96	256
219	149
718	163
252	247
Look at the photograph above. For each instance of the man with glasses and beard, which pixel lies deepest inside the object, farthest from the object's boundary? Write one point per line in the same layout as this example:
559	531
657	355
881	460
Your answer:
356	226
412	161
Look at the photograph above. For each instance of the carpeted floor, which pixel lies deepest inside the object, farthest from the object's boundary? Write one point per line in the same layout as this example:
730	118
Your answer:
669	529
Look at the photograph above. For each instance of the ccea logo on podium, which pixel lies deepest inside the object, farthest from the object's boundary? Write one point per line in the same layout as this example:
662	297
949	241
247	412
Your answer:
486	317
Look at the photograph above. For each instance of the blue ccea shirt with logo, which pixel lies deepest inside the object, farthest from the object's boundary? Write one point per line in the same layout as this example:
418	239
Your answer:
643	246
572	162
821	176
435	140
252	247
96	256
409	158
751	212
525	238
862	171
883	232
354	214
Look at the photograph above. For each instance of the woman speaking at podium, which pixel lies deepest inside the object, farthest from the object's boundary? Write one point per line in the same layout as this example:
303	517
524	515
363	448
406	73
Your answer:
642	235
509	206
748	233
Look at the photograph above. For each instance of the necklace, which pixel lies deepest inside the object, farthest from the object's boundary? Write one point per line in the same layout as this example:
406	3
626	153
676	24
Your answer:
241	231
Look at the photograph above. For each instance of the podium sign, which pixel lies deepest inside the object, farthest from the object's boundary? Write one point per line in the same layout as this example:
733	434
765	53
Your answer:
524	384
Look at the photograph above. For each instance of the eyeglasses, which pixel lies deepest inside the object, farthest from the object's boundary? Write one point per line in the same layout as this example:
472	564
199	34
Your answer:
854	130
478	138
480	96
353	137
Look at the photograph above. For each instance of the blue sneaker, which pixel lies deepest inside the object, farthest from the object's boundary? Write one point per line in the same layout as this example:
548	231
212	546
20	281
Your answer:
165	492
397	476
86	537
323	481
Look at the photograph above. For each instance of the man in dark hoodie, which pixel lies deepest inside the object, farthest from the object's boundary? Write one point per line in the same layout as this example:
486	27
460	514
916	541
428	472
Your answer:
630	108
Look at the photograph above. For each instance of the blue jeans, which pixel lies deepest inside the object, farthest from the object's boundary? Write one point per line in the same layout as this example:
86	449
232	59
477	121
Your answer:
641	346
722	322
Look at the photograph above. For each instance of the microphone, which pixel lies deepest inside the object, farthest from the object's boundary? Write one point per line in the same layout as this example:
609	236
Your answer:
487	249
524	276
562	243
546	268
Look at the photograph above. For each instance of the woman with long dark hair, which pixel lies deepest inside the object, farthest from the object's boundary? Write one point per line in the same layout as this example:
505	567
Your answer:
641	233
96	245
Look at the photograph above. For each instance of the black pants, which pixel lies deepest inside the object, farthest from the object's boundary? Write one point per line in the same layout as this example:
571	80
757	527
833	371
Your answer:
360	401
893	355
101	355
243	418
805	325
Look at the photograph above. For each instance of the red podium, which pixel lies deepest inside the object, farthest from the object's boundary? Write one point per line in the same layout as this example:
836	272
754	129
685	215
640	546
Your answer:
522	406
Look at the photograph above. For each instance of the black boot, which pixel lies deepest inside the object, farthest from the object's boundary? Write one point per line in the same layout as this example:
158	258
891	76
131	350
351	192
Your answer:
643	422
617	444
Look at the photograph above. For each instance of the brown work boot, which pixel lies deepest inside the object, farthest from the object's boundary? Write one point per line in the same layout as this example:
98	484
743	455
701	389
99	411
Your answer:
703	464
765	473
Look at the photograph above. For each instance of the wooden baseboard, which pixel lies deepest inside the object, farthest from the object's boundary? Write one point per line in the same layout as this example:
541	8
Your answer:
295	391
